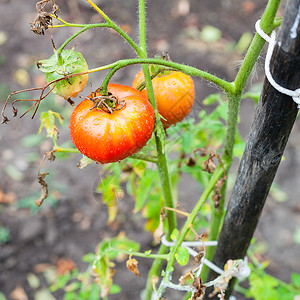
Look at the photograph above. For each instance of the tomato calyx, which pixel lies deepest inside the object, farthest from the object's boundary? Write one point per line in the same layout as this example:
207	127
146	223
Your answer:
107	103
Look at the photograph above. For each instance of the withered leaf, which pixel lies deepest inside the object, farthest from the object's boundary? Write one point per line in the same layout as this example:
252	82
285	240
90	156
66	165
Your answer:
131	265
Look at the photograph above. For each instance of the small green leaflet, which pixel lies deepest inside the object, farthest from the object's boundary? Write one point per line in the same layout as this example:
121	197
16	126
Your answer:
182	256
48	122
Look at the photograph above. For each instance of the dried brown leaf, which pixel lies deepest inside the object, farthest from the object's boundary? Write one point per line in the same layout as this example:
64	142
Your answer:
131	265
44	188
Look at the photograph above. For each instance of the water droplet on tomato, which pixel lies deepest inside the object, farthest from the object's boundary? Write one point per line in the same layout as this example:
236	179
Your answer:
96	122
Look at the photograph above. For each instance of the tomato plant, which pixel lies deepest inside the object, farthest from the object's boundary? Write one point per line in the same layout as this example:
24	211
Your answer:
108	136
174	95
116	121
61	64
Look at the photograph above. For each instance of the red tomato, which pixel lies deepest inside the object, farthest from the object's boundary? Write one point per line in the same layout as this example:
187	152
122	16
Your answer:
109	137
174	95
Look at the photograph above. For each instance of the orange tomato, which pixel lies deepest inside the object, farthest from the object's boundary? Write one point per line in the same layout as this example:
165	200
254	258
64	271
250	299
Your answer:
174	95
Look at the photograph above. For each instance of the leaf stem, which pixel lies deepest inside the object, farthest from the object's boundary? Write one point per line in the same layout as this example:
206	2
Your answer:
267	25
228	87
162	161
140	254
148	158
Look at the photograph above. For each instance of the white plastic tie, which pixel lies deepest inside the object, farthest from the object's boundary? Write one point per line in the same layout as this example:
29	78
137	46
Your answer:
244	269
272	42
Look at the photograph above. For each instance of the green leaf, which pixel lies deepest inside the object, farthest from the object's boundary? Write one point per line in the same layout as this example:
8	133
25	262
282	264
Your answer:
13	172
295	277
286	294
4	235
2	296
73	286
144	185
182	256
32	140
85	161
212	98
297	235
262	287
89	257
63	280
33	281
244	42
148	252
115	289
210	34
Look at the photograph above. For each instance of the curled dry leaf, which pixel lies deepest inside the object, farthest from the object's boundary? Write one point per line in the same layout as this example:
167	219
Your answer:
131	265
185	277
209	165
159	231
199	287
217	193
44	188
44	18
50	155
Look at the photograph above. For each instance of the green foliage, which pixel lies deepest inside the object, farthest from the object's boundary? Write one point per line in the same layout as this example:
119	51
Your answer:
98	278
210	34
266	287
28	202
187	148
182	256
4	235
2	296
262	287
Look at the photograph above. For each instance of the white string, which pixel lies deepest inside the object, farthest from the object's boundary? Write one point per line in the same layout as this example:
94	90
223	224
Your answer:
244	270
272	42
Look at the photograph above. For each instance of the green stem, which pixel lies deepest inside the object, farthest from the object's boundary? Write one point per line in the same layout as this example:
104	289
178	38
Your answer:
108	24
65	149
85	27
154	271
140	254
147	158
217	174
267	25
228	87
234	99
162	161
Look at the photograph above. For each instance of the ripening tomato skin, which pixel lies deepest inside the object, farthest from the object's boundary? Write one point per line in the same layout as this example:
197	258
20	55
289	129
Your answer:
174	95
72	62
106	137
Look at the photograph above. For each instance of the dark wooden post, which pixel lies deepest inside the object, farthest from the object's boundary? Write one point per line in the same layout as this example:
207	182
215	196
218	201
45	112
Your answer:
269	133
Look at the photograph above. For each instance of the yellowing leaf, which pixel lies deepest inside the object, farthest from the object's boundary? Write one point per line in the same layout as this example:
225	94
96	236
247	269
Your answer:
48	122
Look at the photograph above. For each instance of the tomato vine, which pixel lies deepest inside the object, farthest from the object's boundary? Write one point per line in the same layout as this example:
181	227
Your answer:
232	90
